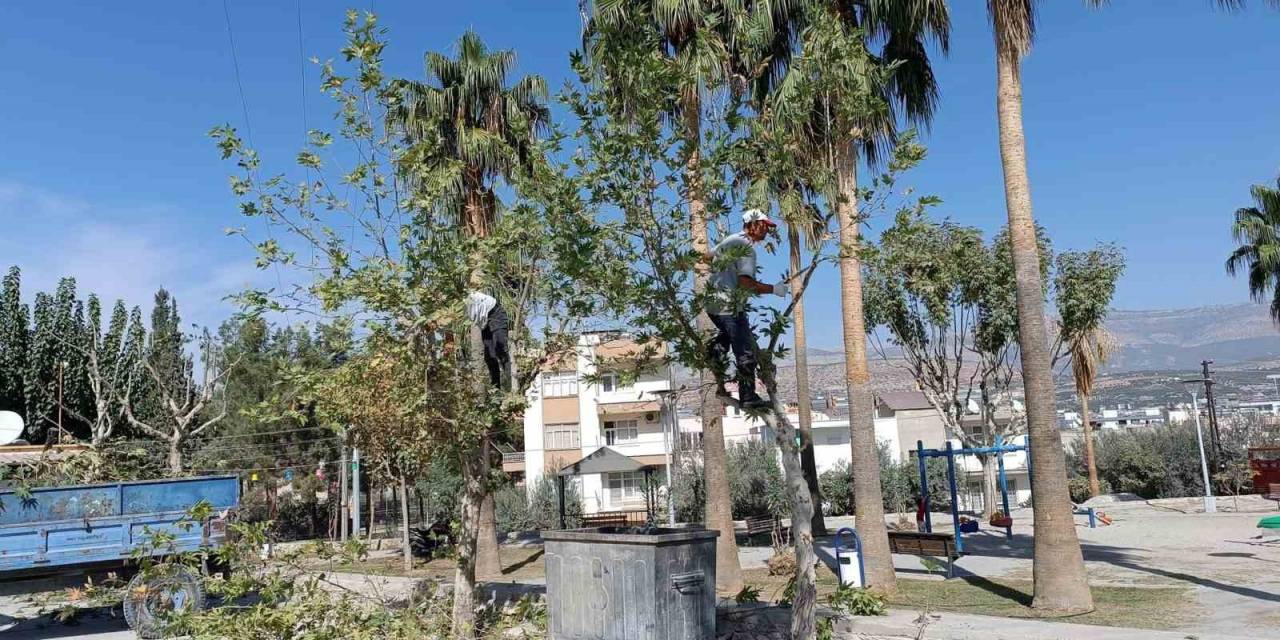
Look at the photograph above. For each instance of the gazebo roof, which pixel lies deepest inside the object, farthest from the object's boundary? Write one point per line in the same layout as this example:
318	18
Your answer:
602	460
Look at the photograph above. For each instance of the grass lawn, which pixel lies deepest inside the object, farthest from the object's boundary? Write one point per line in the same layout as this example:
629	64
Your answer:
1140	607
1144	608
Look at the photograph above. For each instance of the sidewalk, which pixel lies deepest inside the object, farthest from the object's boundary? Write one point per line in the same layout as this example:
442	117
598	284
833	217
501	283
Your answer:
771	623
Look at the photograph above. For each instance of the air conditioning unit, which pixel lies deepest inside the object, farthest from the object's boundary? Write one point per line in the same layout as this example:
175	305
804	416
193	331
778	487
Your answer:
650	417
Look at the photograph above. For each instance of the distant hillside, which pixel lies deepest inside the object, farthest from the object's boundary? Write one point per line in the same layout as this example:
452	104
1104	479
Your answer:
1157	349
1181	338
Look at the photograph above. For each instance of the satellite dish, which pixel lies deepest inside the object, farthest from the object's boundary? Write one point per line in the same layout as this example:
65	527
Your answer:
10	427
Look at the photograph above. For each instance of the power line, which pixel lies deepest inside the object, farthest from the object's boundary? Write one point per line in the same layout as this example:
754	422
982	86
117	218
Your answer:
235	62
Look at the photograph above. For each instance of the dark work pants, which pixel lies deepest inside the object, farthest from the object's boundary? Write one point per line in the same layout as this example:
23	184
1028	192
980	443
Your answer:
497	356
733	333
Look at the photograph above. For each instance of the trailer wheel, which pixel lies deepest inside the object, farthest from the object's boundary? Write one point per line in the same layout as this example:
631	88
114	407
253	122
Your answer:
150	599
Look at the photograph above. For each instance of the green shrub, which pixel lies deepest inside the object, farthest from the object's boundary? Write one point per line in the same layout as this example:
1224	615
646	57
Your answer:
544	504
511	510
899	485
1079	488
836	485
851	601
755	480
689	491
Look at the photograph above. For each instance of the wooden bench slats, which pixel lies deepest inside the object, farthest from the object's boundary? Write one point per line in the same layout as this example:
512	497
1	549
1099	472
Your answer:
940	545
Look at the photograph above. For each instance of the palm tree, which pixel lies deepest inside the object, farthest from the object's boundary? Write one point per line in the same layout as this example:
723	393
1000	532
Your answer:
696	38
1059	574
468	129
1088	350
1257	229
777	164
864	66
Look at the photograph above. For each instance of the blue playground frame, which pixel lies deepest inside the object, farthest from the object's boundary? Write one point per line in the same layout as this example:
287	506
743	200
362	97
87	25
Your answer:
950	453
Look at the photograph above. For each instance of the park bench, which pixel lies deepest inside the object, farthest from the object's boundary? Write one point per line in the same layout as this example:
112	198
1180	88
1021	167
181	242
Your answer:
606	519
915	543
765	525
1273	493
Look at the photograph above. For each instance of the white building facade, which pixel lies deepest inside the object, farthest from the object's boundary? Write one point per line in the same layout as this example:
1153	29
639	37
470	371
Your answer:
592	399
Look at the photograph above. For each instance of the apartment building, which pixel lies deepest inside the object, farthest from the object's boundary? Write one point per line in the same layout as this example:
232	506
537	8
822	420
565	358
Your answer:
588	401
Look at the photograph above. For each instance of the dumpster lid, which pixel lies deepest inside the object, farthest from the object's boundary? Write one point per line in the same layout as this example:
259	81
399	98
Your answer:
630	535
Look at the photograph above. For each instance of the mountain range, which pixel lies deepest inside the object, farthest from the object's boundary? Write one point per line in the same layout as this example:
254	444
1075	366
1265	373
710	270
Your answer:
1237	336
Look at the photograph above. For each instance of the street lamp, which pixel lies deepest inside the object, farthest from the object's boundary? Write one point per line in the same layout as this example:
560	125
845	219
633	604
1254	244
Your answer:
1209	506
669	398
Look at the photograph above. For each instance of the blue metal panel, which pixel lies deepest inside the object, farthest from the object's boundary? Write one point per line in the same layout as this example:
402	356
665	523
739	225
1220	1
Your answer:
62	526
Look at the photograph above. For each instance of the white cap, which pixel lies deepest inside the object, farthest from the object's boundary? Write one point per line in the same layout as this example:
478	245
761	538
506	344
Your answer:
756	215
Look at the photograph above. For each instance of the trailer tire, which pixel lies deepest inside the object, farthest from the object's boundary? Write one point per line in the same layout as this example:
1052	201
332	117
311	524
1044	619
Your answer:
148	600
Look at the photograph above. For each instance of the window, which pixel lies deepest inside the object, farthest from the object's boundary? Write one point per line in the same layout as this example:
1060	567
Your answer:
620	432
611	382
559	384
561	436
625	486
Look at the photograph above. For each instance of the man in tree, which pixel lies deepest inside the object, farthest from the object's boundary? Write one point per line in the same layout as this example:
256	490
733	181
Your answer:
486	313
730	286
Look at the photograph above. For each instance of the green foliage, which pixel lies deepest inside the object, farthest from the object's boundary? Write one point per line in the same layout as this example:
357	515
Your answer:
899	485
1162	462
511	509
1078	486
1257	229
756	487
14	338
544	504
690	490
851	601
748	595
1084	283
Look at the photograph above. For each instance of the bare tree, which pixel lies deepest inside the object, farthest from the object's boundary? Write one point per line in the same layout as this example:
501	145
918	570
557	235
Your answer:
183	399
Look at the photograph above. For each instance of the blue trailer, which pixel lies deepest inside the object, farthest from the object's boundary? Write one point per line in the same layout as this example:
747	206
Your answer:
80	530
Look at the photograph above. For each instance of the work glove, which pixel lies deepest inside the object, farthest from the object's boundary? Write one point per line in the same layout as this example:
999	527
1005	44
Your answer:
782	289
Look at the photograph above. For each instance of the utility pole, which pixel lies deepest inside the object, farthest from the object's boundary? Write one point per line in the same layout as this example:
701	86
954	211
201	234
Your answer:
355	494
344	508
1215	438
62	367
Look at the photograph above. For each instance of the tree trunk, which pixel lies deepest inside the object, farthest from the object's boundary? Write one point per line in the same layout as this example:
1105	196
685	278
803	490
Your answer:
803	401
175	457
867	499
488	562
1060	579
404	525
990	486
474	475
1089	463
373	506
804	603
719	508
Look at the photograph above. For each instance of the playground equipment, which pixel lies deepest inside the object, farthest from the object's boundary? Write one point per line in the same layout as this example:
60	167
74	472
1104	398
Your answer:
950	453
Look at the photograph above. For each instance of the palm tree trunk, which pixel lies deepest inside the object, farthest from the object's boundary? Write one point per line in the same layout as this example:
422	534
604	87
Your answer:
867	498
1060	580
804	402
474	476
719	508
1094	488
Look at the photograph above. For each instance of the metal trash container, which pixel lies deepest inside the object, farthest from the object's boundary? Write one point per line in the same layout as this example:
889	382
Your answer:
849	559
625	583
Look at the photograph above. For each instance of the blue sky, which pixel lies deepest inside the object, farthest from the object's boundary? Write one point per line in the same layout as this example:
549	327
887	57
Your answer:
1145	128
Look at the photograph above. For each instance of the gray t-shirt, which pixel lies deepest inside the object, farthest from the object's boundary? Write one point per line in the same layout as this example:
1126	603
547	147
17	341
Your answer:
724	283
